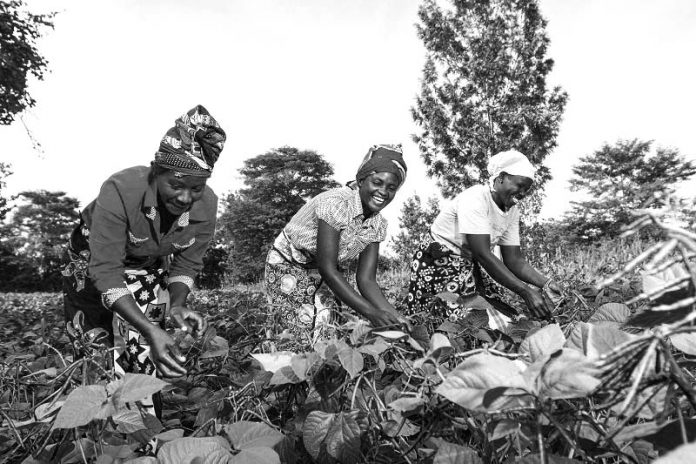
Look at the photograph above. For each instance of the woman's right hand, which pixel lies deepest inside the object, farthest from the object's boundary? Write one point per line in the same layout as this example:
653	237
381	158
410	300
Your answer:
536	303
165	354
383	318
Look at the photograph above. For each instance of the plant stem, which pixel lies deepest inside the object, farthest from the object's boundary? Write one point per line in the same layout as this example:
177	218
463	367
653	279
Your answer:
565	435
676	375
14	429
79	443
628	418
685	259
58	353
682	426
355	392
540	439
648	357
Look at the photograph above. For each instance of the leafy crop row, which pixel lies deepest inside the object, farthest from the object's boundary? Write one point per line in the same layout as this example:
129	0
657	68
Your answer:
604	381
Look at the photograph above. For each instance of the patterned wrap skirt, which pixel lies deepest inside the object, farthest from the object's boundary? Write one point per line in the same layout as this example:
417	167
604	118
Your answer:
86	314
299	299
436	269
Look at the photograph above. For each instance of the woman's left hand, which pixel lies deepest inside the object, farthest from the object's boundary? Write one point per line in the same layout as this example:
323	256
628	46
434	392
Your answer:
188	320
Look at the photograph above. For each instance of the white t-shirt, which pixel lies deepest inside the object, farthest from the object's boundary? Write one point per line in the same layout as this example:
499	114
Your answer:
474	212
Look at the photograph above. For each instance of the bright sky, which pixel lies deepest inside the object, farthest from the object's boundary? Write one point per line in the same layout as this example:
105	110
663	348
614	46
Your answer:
335	76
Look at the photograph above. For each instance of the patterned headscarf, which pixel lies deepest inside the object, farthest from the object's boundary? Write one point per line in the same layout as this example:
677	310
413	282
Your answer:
383	158
193	145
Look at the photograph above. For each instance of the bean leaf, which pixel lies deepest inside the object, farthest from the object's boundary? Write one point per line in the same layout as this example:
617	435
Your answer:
217	346
682	455
343	439
566	375
611	312
271	362
542	343
449	453
247	434
685	342
351	360
81	407
314	431
134	387
468	384
189	448
253	456
285	375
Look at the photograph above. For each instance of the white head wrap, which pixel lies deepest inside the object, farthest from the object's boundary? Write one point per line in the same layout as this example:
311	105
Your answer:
513	162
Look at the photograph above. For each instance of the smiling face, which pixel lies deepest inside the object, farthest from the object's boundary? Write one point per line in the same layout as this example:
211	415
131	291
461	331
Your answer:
178	194
377	190
509	190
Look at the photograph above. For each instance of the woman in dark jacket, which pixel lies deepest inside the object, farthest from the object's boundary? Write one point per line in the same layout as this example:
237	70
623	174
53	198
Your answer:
134	255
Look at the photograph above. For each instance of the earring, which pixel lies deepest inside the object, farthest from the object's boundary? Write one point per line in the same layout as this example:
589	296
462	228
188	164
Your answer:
491	185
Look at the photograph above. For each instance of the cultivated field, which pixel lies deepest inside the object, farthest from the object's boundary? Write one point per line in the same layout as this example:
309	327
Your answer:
584	387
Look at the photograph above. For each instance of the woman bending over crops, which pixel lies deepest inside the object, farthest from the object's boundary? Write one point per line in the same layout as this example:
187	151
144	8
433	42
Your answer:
133	257
328	231
457	255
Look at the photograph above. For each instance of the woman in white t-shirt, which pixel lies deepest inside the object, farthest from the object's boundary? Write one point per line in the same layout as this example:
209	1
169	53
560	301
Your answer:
457	256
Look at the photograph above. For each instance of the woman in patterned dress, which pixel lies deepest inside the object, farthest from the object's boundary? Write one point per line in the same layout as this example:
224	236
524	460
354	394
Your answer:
329	230
138	247
457	255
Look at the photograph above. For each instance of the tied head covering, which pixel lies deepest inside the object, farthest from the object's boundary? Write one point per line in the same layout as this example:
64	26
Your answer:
383	158
513	162
193	145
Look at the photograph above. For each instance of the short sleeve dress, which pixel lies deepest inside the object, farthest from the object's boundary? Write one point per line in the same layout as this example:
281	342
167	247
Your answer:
294	287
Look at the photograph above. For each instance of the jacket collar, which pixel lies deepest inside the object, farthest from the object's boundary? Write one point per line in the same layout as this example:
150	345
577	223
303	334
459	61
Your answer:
150	207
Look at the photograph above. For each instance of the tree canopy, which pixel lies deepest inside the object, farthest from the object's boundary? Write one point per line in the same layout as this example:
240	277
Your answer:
415	220
34	239
286	176
277	184
484	89
19	56
619	179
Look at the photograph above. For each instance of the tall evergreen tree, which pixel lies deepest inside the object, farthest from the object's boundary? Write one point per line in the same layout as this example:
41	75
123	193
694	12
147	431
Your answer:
484	89
620	178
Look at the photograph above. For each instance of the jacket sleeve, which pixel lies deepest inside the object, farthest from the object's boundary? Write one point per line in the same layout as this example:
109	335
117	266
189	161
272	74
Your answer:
107	242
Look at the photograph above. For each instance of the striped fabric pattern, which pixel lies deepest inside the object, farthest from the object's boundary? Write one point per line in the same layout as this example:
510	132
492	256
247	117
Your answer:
340	208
